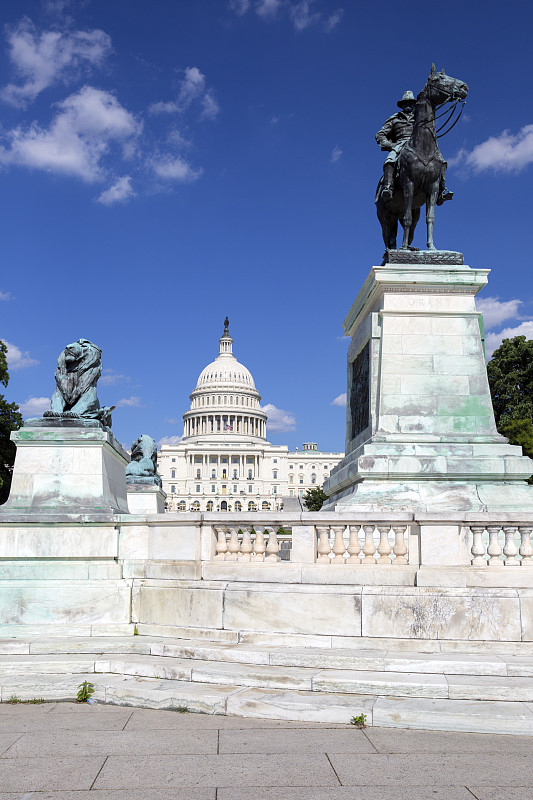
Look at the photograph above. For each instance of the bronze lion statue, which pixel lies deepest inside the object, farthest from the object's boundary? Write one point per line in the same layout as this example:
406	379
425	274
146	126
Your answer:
78	368
143	465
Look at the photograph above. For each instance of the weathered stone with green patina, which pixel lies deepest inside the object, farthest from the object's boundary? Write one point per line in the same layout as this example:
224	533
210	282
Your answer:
420	426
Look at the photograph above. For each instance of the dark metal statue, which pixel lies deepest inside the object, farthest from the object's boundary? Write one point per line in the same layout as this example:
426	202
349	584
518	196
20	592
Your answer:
226	326
143	465
414	172
78	368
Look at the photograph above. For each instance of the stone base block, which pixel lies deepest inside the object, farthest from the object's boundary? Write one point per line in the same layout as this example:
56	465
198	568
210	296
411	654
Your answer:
145	498
58	469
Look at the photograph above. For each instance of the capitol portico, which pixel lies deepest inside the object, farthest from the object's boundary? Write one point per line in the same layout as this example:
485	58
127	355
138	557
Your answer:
224	461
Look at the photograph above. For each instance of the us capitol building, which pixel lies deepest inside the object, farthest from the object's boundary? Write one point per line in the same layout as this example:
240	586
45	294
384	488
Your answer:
224	461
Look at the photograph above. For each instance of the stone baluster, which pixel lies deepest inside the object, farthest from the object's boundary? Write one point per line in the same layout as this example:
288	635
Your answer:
384	547
259	547
354	547
246	546
510	549
233	546
400	548
478	548
369	547
221	546
339	548
526	550
272	546
323	544
494	548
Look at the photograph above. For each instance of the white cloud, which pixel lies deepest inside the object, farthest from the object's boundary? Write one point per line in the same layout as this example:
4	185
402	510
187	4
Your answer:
496	311
192	90
279	420
340	400
17	358
336	153
34	406
494	340
77	139
174	169
333	19
504	153
210	107
110	378
302	15
169	440
130	402
239	6
5	295
41	59
267	8
119	192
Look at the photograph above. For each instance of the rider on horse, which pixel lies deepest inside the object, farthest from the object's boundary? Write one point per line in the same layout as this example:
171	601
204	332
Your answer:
393	136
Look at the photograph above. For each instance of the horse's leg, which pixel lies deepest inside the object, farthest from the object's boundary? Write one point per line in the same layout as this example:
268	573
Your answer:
407	220
431	199
416	217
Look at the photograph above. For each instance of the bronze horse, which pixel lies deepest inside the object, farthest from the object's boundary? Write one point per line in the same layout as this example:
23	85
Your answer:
419	165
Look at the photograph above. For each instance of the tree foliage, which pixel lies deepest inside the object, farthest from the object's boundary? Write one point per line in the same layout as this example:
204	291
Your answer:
314	498
10	420
510	374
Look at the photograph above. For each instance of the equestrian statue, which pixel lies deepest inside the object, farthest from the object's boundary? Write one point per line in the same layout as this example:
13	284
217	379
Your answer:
414	172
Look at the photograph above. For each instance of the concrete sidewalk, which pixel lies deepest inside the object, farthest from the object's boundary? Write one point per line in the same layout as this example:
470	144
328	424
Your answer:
67	751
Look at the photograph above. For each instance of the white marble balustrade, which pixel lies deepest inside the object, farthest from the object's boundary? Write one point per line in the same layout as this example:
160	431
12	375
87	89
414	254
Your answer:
246	544
499	545
368	544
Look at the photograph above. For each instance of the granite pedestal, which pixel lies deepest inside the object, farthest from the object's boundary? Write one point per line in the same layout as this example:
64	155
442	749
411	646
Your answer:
421	433
67	467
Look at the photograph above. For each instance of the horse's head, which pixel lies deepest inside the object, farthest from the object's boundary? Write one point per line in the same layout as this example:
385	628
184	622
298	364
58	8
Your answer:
441	88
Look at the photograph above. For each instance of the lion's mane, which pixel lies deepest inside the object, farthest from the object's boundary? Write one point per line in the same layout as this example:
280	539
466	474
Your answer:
75	378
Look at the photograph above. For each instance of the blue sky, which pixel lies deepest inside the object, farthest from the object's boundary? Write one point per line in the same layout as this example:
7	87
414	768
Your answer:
164	164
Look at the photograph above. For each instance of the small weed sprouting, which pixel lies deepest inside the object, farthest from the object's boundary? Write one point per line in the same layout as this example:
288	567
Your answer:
85	690
182	710
359	722
135	631
13	700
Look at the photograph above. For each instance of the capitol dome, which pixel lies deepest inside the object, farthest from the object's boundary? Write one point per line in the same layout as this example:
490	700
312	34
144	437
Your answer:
225	401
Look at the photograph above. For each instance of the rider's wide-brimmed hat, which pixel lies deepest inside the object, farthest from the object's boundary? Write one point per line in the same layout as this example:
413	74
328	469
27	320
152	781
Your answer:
408	97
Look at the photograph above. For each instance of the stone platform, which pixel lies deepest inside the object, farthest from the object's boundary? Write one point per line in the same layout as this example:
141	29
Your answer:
476	691
421	433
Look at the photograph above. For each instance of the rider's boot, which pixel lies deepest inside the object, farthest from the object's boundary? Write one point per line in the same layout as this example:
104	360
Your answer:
444	193
388	182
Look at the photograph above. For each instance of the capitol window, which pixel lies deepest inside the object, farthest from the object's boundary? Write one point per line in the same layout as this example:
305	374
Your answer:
197	487
234	474
181	505
213	487
235	489
291	478
209	506
275	475
213	473
173	460
238	505
249	474
195	506
274	490
172	489
275	461
198	473
250	489
173	473
313	478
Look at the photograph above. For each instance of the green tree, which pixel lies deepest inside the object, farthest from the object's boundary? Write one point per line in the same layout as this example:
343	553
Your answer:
510	372
314	498
10	420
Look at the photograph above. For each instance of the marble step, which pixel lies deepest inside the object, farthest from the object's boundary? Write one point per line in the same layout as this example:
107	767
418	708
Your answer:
286	704
373	660
328	681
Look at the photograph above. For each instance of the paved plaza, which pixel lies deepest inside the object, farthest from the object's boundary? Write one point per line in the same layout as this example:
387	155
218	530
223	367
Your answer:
68	751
